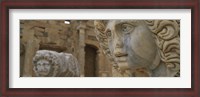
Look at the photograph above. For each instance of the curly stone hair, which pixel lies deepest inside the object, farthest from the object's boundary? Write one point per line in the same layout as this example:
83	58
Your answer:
167	37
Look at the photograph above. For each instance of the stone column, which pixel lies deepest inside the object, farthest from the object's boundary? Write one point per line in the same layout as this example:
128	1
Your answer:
81	56
98	63
32	46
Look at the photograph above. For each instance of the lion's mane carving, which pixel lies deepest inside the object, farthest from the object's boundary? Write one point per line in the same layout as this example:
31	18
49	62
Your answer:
61	64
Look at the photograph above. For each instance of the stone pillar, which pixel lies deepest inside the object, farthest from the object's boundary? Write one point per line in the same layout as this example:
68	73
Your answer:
99	63
32	46
22	56
81	56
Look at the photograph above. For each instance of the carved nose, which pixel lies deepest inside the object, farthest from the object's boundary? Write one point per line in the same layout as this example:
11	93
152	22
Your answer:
41	68
118	51
119	44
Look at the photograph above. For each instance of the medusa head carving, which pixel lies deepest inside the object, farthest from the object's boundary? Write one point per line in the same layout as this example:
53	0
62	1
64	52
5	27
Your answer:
141	47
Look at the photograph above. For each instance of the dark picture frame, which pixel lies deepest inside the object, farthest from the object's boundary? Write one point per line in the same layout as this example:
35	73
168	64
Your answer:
100	4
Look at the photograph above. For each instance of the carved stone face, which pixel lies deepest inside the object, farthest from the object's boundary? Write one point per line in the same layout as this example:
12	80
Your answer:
43	67
131	43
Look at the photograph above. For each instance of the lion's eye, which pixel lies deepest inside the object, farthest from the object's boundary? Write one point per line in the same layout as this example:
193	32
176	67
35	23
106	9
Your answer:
108	33
36	68
127	28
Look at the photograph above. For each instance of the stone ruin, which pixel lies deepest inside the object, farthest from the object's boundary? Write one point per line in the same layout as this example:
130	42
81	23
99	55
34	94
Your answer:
53	64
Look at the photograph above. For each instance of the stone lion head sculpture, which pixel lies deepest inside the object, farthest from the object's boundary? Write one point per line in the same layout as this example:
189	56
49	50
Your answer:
53	64
141	47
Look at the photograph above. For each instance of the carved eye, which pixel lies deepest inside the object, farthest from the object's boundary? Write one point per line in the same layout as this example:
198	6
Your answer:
108	33
127	28
36	68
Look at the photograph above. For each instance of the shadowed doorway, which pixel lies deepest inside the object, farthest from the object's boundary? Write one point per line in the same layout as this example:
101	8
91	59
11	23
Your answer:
90	61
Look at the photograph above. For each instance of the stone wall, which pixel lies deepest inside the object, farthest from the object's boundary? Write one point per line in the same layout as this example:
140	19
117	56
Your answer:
57	36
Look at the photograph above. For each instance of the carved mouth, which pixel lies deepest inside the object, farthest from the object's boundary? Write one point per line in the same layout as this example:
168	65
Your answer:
122	59
43	72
